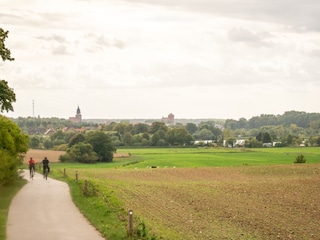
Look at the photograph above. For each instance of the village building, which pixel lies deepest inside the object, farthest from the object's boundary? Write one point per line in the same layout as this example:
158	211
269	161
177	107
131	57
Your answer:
77	118
168	120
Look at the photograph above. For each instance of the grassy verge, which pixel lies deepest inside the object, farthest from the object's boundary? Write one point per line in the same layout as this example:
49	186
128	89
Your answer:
7	194
100	206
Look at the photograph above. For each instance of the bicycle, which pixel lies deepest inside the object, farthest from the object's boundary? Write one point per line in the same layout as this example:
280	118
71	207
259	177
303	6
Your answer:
32	173
45	173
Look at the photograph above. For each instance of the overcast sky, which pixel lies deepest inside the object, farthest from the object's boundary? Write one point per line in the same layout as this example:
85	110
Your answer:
148	58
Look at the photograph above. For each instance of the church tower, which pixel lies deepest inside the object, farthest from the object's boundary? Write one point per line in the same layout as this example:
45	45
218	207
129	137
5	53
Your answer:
78	115
77	118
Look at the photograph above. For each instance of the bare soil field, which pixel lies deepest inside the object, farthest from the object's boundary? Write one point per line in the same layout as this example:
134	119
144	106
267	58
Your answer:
53	156
38	155
270	202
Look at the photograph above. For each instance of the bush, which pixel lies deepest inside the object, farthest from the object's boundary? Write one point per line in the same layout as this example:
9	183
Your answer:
300	159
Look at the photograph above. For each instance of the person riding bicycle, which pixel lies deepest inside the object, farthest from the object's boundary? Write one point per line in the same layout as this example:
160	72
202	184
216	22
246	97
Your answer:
32	165
45	165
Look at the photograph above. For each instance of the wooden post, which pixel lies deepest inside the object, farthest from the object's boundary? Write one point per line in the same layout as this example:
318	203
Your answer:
64	172
76	176
130	224
85	190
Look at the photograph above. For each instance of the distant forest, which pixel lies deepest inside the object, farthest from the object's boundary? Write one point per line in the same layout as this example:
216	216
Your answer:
293	128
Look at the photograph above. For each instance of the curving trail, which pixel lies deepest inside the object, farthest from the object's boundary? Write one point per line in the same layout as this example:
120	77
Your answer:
43	209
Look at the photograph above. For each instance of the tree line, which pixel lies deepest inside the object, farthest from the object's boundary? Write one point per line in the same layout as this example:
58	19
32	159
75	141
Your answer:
287	132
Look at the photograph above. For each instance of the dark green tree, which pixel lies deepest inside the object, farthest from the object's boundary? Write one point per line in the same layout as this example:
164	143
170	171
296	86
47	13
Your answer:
102	145
13	144
76	139
179	136
80	152
7	95
191	128
34	142
158	126
140	128
127	139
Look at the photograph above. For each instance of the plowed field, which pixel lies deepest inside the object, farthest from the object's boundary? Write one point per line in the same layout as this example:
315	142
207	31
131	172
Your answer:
273	202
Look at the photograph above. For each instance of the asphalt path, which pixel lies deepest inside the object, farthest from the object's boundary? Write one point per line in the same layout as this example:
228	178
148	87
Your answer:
43	209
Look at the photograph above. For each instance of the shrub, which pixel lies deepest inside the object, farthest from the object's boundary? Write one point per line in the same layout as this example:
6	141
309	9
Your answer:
300	159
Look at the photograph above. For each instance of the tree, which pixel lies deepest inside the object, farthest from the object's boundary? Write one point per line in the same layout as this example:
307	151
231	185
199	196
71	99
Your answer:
80	152
4	52
12	145
158	126
101	144
34	142
191	128
155	139
7	95
76	139
203	134
127	139
140	128
179	136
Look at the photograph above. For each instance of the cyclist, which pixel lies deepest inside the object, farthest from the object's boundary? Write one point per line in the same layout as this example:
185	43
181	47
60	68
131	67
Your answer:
45	166
32	166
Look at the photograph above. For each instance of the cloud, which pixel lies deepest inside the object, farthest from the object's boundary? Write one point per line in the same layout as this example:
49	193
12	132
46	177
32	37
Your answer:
159	55
299	15
60	50
246	36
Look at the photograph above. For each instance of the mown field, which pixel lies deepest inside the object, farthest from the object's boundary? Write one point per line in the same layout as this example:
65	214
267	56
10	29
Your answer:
212	193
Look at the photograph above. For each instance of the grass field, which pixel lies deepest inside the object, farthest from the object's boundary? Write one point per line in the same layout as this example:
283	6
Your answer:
203	193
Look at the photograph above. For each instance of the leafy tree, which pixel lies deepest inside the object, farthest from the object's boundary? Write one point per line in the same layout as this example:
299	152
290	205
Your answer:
34	142
48	144
158	126
155	139
4	52
231	142
127	139
140	128
121	128
191	128
179	136
76	139
102	145
12	145
203	134
7	95
80	152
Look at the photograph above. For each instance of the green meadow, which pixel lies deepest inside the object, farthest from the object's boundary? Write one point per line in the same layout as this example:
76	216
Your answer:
202	157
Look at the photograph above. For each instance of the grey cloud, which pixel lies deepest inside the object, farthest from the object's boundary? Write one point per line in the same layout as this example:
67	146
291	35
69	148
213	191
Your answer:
302	15
315	53
246	36
60	50
98	42
53	37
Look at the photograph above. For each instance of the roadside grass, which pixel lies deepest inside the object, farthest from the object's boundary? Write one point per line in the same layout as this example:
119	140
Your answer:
6	196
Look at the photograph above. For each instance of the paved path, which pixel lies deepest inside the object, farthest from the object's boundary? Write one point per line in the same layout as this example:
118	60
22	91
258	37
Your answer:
43	209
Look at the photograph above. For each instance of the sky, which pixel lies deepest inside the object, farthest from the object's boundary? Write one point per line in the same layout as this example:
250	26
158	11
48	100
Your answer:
133	59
